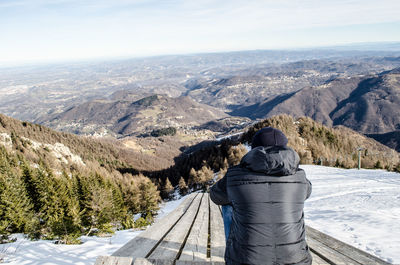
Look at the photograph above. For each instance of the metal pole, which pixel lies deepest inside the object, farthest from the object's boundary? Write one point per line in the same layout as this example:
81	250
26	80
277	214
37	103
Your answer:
359	158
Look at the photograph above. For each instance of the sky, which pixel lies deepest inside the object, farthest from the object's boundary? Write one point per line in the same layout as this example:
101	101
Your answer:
60	30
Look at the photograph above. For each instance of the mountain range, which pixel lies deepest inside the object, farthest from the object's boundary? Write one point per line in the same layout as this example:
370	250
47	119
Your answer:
207	94
368	104
125	117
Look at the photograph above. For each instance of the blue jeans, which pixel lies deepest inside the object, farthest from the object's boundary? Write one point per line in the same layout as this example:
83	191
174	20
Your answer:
227	212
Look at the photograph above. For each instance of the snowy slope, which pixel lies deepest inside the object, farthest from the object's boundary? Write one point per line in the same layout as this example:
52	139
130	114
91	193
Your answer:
359	207
45	252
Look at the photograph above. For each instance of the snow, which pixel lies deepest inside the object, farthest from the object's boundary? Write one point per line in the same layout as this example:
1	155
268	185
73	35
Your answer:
5	139
45	252
59	151
359	207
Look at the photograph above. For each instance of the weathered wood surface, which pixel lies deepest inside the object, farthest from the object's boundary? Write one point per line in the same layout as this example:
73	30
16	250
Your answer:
170	246
141	261
319	242
111	260
217	234
142	245
196	245
193	234
317	260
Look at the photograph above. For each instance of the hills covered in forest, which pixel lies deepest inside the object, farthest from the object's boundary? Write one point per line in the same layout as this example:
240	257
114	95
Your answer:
204	95
123	117
69	185
368	104
60	186
314	142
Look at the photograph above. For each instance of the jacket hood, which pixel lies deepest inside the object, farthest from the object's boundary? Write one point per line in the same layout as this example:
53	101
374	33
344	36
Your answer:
273	160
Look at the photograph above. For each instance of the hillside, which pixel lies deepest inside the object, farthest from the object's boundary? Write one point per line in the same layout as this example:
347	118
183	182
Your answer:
125	117
109	152
224	80
335	146
367	104
314	142
59	186
94	186
361	193
391	139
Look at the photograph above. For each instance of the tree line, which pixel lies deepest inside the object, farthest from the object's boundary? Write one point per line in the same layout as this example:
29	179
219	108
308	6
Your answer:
314	142
65	205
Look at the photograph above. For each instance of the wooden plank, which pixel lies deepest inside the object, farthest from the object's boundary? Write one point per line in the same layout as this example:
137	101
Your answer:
170	246
185	262
195	248
143	261
332	255
317	260
217	235
345	249
142	244
109	260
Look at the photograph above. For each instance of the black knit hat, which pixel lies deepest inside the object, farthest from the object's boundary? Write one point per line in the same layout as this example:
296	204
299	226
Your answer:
269	136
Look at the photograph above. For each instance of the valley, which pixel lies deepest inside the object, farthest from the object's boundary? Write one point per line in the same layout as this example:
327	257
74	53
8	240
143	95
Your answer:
207	95
100	145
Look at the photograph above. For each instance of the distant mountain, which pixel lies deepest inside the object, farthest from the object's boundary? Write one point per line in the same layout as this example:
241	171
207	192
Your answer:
126	117
252	85
367	104
61	186
65	151
391	139
314	142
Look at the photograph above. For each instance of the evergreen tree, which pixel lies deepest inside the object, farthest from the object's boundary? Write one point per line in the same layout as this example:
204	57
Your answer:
183	188
15	207
192	178
59	207
205	175
31	185
99	206
235	154
120	211
149	196
131	194
168	189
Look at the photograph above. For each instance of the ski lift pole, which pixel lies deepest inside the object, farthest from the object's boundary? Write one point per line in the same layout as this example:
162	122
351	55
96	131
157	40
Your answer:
359	149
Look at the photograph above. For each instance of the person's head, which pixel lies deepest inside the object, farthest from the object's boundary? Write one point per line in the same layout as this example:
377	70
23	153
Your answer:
269	136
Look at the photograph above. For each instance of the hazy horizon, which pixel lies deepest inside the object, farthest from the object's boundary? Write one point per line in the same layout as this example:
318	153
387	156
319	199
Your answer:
40	31
358	46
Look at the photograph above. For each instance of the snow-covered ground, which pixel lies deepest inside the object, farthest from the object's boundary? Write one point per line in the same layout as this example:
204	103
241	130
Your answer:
359	207
45	252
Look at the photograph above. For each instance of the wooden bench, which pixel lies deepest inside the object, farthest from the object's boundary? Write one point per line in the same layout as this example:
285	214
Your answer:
194	234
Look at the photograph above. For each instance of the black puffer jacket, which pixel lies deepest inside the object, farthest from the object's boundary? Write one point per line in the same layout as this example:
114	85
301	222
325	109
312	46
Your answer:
267	192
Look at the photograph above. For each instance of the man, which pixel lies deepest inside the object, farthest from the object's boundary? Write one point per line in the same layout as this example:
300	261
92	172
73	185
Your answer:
267	191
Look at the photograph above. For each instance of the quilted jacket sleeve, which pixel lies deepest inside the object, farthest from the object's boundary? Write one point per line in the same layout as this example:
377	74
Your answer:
218	193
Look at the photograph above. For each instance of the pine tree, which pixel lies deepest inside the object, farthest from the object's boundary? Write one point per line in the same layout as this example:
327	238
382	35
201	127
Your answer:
235	154
149	196
183	188
99	205
192	178
205	176
120	211
31	185
168	189
131	194
16	212
59	206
